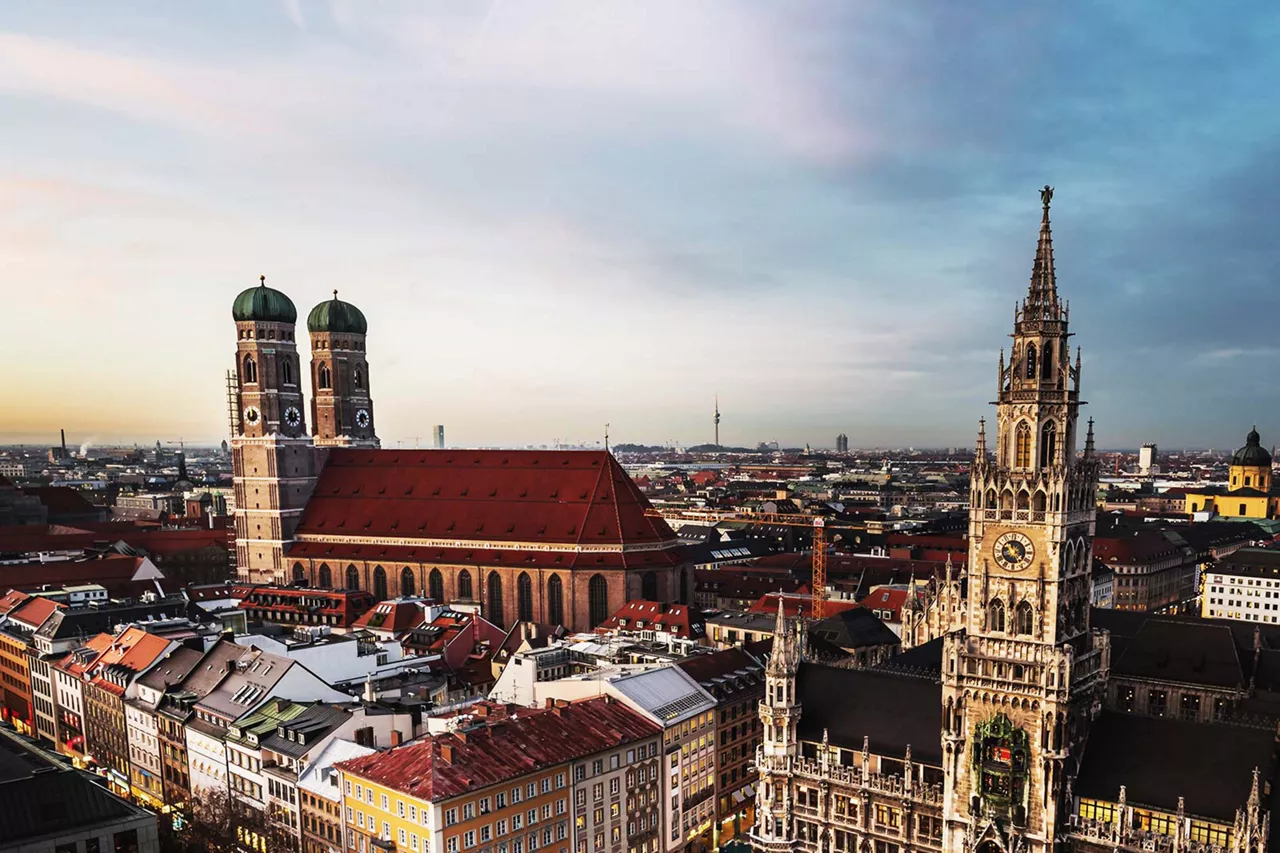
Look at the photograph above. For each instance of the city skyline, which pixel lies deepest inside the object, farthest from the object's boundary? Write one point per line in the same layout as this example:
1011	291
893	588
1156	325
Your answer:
559	219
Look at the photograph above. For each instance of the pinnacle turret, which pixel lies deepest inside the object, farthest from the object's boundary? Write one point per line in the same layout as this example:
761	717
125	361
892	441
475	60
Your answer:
1042	295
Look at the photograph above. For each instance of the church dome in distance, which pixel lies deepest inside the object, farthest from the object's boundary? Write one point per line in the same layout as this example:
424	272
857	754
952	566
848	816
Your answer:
263	304
337	316
1253	454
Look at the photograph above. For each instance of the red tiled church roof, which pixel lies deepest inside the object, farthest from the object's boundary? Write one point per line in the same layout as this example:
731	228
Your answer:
544	497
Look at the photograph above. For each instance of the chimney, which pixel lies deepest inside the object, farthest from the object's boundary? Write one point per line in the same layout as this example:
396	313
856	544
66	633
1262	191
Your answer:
446	752
397	737
64	441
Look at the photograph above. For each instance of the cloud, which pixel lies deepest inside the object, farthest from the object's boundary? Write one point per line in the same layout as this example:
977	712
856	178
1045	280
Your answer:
42	67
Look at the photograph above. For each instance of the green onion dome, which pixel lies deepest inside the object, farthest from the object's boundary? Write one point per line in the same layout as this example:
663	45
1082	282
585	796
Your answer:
264	304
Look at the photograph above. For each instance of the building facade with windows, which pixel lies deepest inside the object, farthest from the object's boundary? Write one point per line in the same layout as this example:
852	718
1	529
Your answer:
1006	732
1245	585
556	538
501	782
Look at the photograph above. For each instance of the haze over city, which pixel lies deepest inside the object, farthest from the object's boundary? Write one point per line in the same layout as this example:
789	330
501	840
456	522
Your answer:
559	215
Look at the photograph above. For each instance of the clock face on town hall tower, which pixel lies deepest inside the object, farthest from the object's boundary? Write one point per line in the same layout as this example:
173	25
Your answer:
1013	551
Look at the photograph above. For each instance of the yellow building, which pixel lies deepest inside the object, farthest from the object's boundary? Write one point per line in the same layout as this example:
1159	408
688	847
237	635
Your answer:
505	779
1248	493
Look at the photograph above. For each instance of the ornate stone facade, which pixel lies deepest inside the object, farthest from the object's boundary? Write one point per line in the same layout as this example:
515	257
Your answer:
1001	697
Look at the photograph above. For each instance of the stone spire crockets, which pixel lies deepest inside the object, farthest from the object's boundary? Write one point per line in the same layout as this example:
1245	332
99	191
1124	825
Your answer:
1042	295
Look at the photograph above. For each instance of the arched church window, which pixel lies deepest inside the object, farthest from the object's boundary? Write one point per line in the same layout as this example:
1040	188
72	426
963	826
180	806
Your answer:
435	586
555	600
597	599
326	576
493	607
1024	500
1048	445
995	615
1023	618
465	592
286	371
524	598
323	379
991	499
353	578
357	377
250	370
1031	361
380	583
1038	501
406	582
1046	363
299	573
1022	447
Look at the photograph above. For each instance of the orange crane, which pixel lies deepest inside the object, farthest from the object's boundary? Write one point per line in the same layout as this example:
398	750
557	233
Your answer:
784	519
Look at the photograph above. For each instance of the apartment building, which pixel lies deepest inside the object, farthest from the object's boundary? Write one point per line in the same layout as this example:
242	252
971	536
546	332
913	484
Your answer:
502	781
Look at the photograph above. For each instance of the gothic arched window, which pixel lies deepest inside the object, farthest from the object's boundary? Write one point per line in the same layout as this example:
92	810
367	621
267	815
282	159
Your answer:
995	615
555	600
464	586
597	600
1048	444
357	377
380	583
991	499
323	379
299	573
493	607
524	598
1046	363
1038	501
326	576
250	370
1023	618
1022	447
649	586
353	578
435	586
1031	361
286	371
406	582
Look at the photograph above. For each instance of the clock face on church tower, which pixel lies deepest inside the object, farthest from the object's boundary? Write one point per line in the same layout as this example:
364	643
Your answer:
362	418
292	416
1013	551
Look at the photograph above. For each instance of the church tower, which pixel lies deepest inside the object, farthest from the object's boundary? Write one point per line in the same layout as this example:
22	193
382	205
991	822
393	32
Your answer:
273	461
341	407
780	747
1022	675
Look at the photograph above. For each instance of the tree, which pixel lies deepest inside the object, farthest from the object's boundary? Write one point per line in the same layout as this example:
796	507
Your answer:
220	824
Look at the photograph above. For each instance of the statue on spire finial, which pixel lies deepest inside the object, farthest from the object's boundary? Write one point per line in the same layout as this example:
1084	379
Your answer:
1046	196
262	280
335	294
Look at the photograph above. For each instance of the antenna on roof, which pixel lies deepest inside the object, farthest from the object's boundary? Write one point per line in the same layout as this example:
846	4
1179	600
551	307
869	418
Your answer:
606	438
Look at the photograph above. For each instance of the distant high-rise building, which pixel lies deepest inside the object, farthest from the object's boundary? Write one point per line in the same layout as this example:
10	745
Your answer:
437	436
717	420
1147	460
842	443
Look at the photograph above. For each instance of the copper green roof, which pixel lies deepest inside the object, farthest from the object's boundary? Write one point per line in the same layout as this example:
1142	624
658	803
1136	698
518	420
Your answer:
264	304
1253	453
337	316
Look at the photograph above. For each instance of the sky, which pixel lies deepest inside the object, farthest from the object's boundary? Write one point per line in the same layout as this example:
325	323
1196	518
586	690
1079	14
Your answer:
558	215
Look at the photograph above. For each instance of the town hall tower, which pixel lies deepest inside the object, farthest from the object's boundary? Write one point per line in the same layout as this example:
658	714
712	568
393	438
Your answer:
1021	676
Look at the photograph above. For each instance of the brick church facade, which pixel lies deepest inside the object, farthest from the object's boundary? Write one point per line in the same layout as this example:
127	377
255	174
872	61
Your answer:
557	537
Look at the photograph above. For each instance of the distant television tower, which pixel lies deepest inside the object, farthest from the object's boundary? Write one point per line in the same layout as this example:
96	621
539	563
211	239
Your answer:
717	420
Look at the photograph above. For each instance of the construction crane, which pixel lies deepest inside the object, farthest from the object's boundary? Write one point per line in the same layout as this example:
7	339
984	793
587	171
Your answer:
782	519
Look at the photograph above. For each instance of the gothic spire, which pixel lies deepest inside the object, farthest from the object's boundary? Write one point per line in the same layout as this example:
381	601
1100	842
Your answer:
981	450
1042	296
